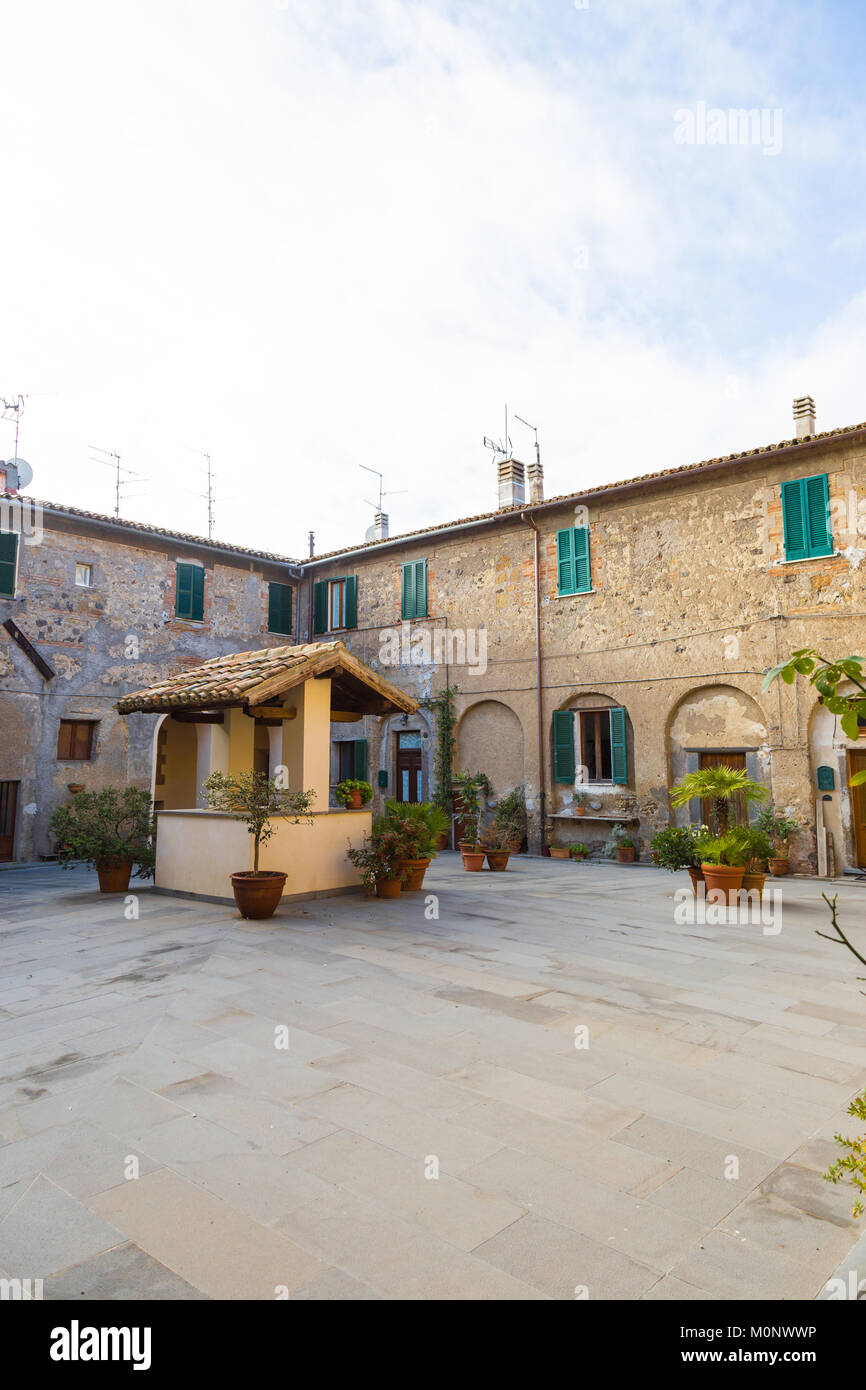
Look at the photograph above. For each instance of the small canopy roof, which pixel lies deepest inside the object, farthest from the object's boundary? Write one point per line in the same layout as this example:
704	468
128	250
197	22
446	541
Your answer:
255	678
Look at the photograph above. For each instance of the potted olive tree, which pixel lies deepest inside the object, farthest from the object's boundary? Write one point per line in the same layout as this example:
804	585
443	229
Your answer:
255	799
112	829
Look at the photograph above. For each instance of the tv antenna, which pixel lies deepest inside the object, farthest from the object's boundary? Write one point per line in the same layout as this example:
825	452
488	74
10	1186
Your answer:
12	407
113	461
209	494
499	447
534	429
382	494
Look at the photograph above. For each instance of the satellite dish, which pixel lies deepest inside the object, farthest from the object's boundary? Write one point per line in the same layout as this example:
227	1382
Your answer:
21	470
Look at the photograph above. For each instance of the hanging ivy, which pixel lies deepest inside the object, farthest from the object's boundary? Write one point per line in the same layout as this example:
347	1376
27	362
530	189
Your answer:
445	718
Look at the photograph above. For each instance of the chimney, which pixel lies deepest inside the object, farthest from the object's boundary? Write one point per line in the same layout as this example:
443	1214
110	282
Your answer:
535	474
804	416
379	530
512	485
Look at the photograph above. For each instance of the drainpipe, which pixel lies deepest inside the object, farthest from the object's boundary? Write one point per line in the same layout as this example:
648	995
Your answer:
542	795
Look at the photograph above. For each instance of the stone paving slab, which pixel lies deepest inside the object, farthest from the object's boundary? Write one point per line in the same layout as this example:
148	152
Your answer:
551	1086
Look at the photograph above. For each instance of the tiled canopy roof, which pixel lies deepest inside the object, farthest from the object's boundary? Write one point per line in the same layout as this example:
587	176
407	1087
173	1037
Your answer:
250	678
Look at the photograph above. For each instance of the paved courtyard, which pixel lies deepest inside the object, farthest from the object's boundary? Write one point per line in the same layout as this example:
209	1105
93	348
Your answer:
431	1130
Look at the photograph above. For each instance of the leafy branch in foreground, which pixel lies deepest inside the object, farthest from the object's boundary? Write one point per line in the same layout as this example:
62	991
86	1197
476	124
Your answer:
827	676
853	1166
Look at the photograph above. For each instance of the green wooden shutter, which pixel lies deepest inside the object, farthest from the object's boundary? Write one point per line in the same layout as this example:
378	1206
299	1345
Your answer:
359	760
816	508
407	592
183	591
582	578
565	571
563	746
320	606
618	749
8	557
794	520
197	594
280	608
352	601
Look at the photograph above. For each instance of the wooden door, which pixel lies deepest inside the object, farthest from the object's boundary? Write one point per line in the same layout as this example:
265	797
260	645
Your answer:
857	763
8	806
408	761
738	813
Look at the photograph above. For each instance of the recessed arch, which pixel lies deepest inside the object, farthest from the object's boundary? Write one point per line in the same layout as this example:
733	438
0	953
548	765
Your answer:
490	740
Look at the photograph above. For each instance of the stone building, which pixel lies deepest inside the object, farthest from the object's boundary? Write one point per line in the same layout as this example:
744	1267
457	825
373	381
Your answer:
92	608
602	642
661	601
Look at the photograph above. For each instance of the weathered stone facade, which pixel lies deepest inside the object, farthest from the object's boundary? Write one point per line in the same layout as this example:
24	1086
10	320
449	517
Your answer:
691	601
102	641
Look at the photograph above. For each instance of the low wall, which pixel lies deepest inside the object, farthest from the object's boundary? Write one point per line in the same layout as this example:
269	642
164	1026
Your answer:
198	850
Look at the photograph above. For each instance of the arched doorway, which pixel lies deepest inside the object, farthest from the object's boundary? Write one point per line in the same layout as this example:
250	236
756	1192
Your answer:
716	724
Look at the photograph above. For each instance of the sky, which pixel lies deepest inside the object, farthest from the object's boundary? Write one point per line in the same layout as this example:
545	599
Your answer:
307	236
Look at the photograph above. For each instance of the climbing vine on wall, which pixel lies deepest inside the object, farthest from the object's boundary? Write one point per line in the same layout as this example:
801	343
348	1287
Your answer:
445	719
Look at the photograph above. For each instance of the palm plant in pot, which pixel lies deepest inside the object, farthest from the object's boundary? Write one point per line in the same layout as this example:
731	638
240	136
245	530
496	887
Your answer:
112	829
422	824
779	830
719	786
353	794
255	799
469	786
676	847
723	860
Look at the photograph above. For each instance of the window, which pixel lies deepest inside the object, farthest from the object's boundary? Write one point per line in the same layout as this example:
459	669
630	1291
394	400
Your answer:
280	608
572	560
8	563
413	590
335	604
806	518
75	740
602	746
83	576
189	593
352	759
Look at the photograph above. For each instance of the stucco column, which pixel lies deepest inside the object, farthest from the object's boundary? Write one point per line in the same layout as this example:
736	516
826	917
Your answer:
275	748
212	755
307	740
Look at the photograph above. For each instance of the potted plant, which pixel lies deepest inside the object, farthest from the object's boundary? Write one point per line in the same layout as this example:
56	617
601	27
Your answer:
779	830
380	859
353	794
509	819
723	860
760	850
255	799
560	851
580	802
676	847
496	848
578	851
421	824
621	845
469	786
112	829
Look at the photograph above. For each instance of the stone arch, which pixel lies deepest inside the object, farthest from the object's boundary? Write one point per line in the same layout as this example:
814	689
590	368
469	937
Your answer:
490	740
716	718
419	722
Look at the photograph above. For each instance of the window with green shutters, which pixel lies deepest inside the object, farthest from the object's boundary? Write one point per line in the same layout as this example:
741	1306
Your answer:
572	560
280	608
806	518
563	746
352	759
603	746
189	593
8	562
335	604
413	590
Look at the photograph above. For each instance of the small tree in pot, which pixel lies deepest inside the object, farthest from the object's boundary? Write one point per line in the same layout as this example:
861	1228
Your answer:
112	829
778	830
255	799
509	820
469	786
621	845
675	848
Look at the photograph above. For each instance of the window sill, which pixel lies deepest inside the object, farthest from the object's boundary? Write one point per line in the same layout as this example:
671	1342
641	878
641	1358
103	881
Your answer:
581	593
807	560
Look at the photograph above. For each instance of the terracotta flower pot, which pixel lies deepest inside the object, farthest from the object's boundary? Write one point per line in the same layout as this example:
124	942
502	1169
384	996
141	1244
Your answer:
778	866
473	860
580	810
559	852
697	877
355	802
463	845
578	858
625	854
724	878
497	859
413	874
257	894
753	882
114	878
388	887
